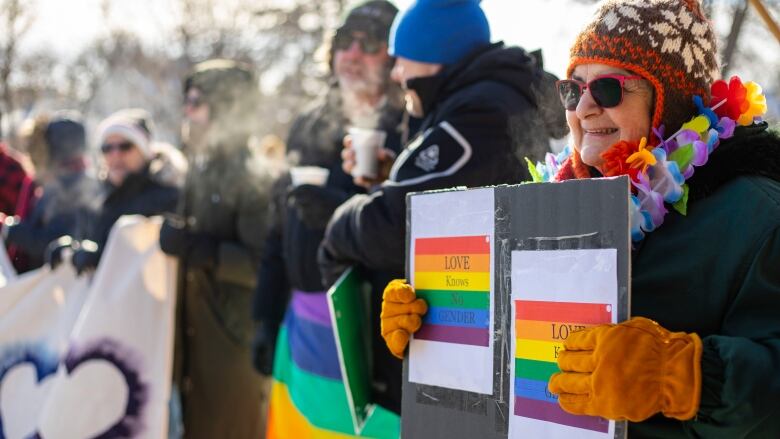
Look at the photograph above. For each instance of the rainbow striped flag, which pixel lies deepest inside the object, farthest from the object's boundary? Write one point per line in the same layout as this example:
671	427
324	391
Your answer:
308	398
540	329
452	274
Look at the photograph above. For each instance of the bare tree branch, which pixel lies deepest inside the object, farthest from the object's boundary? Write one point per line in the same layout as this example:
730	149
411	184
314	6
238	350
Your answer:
740	12
17	19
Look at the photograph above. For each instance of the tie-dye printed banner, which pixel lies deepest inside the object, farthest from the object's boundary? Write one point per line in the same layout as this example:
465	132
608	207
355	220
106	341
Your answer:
91	357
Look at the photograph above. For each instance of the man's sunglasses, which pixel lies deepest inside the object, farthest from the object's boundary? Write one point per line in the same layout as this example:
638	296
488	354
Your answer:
193	102
606	90
368	45
123	146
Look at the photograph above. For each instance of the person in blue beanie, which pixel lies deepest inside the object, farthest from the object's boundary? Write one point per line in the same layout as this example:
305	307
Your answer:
481	109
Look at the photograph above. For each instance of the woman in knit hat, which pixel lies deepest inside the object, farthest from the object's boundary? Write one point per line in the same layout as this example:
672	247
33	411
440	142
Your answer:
643	99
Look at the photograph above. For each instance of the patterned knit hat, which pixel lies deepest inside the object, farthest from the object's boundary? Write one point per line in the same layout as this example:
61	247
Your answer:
668	42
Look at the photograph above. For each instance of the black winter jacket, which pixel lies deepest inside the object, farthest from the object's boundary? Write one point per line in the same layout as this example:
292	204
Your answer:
290	254
716	272
140	194
477	113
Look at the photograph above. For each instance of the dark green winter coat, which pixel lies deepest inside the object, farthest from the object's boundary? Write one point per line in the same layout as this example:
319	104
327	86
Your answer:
716	272
226	198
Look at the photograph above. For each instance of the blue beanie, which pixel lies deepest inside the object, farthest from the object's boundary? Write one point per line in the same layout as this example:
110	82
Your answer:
439	31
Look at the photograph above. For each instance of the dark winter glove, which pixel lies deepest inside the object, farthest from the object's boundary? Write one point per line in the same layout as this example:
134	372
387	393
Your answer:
173	237
15	231
316	204
86	257
197	249
331	268
264	347
55	251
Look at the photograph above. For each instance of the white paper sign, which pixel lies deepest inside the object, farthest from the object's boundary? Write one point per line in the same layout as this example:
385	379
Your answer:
555	292
451	260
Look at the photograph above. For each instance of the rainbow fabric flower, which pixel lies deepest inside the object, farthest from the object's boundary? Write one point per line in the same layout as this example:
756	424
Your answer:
651	202
705	111
638	219
731	98
616	159
666	178
726	127
642	158
545	172
756	104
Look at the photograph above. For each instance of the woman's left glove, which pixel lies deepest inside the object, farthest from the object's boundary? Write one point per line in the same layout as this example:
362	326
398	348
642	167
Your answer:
629	371
401	315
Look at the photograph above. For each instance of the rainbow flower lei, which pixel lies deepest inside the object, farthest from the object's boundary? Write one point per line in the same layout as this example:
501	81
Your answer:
658	174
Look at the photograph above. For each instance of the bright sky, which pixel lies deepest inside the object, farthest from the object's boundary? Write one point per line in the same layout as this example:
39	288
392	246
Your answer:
65	26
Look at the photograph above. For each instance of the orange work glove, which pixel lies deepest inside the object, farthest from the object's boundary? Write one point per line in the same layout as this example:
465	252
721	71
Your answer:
629	371
401	315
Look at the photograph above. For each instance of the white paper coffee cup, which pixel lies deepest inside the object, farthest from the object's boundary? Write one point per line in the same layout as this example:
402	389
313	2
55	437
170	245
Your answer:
309	175
366	143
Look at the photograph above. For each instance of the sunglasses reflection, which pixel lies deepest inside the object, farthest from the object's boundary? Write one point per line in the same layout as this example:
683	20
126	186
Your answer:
120	146
606	90
366	43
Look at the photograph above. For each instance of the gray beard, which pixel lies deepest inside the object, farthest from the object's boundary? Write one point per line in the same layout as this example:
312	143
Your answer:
362	109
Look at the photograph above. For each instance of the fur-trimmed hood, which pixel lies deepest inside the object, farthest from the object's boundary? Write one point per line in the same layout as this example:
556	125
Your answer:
168	165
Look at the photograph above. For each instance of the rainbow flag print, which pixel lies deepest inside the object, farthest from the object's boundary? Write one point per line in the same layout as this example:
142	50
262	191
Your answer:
308	397
452	274
540	329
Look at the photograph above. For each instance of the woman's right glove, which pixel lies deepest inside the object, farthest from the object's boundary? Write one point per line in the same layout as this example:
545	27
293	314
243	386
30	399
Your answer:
631	370
401	315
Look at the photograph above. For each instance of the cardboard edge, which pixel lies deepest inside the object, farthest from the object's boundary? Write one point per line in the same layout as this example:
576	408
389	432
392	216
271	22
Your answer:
357	424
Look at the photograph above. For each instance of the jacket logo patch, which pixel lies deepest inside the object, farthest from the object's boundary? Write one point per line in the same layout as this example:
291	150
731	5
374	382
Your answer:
428	158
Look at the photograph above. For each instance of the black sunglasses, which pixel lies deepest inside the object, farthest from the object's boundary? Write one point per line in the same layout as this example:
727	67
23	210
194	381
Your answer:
368	45
606	90
193	102
123	146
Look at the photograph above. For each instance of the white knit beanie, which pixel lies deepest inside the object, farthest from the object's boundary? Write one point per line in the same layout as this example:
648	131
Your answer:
133	124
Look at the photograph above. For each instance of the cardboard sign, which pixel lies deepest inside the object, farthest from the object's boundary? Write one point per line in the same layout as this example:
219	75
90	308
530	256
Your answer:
558	261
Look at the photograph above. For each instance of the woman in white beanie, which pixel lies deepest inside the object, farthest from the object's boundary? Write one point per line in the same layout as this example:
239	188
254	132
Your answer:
136	182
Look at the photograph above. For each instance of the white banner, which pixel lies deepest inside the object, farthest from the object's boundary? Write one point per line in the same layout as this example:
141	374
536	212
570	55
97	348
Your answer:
7	271
91	359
